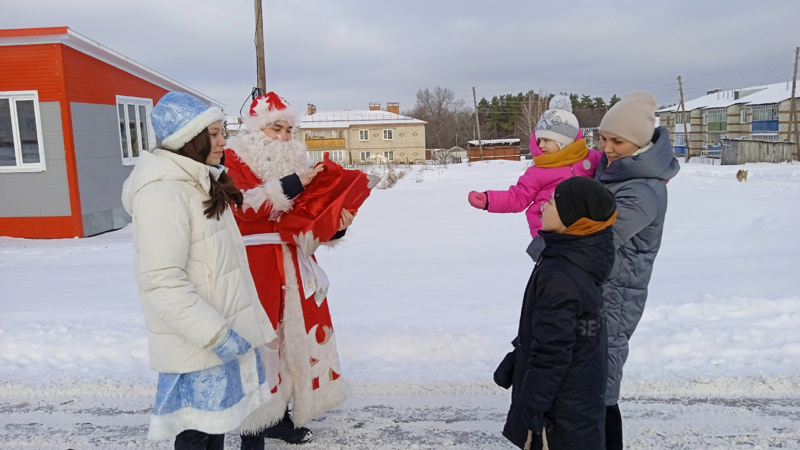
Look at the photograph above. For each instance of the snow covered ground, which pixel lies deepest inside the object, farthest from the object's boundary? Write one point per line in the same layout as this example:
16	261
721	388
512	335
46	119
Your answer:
425	296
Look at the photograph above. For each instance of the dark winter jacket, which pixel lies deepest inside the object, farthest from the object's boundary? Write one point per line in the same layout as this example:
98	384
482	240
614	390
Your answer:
560	357
639	184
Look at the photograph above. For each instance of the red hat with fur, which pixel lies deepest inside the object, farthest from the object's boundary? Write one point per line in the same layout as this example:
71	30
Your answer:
269	108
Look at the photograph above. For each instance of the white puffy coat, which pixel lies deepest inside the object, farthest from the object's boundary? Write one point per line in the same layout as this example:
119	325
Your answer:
192	272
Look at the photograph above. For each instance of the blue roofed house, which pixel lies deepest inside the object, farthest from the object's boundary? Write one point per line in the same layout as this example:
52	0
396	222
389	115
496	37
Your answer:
759	113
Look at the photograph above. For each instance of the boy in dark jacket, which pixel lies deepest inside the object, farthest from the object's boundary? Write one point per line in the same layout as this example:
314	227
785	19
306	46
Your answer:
558	366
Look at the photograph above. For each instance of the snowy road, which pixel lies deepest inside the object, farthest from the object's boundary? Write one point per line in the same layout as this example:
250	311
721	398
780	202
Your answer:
421	417
714	364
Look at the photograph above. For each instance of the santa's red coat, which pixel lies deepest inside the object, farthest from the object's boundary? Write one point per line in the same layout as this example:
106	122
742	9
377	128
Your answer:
305	366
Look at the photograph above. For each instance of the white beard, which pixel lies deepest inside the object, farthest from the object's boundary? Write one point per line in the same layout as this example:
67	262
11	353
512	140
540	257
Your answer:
270	160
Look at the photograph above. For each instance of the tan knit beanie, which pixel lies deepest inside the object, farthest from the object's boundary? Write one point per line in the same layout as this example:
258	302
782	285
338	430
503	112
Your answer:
633	118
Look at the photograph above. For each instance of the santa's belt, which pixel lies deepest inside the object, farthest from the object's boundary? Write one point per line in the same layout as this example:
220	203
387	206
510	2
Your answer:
314	278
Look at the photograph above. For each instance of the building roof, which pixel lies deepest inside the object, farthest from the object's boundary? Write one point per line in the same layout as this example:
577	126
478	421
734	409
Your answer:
488	142
346	119
589	118
756	95
65	36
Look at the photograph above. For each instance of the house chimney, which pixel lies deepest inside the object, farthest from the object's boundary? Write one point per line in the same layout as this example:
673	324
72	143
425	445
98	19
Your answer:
374	106
311	109
393	107
736	95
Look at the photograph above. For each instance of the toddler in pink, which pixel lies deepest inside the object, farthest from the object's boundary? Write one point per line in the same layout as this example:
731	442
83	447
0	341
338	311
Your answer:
559	152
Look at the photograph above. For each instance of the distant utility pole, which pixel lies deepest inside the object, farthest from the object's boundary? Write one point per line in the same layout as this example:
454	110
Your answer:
477	122
683	112
260	65
793	113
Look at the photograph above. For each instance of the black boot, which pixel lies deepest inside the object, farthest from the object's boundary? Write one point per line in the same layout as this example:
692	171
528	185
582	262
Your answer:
285	431
197	440
613	428
252	441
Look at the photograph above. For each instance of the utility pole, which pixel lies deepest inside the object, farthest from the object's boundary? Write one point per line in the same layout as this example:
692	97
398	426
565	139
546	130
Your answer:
685	118
477	122
260	65
793	113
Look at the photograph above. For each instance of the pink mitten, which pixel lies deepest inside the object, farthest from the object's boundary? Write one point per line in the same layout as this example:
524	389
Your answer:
478	200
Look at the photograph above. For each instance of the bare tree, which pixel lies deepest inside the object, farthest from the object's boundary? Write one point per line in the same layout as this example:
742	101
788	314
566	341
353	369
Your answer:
533	106
444	114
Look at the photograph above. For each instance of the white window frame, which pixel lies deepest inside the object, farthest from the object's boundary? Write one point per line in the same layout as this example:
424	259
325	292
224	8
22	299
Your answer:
743	116
337	155
129	159
765	112
715	115
388	135
679	118
680	140
316	155
13	97
363	135
389	155
365	156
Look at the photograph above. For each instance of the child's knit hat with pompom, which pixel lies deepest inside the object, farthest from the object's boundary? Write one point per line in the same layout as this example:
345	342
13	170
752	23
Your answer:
558	123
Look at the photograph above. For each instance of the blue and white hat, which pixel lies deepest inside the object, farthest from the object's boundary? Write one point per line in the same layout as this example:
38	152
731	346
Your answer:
178	117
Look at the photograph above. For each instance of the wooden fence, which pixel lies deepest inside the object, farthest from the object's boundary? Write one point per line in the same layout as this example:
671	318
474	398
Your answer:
507	152
740	151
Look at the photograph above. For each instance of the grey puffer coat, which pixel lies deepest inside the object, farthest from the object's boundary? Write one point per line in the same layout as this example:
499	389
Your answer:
639	184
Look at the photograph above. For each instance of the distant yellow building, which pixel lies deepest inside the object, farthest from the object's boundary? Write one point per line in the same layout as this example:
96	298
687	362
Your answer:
363	136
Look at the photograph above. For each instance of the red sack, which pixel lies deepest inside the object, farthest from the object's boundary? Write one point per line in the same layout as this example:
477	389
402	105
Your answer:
316	213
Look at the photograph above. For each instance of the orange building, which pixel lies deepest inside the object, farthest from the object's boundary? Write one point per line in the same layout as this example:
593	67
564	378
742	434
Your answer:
74	116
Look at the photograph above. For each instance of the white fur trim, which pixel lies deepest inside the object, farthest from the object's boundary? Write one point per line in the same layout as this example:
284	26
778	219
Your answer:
271	191
335	242
264	118
296	368
271	412
167	426
192	128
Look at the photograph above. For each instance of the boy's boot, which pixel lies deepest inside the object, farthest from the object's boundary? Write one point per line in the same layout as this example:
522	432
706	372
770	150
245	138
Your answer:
613	428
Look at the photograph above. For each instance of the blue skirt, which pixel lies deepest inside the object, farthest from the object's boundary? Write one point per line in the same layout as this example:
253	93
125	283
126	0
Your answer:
214	400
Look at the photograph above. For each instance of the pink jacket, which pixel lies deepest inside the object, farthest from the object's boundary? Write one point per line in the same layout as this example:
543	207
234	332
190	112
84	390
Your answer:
536	185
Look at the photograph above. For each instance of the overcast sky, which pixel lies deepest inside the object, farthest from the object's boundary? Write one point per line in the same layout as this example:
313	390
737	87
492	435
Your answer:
345	54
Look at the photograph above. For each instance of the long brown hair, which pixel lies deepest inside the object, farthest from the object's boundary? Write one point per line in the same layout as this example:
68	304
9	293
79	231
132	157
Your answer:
222	190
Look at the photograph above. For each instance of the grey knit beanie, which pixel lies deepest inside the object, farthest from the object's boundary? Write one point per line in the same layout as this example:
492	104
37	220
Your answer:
632	119
558	125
